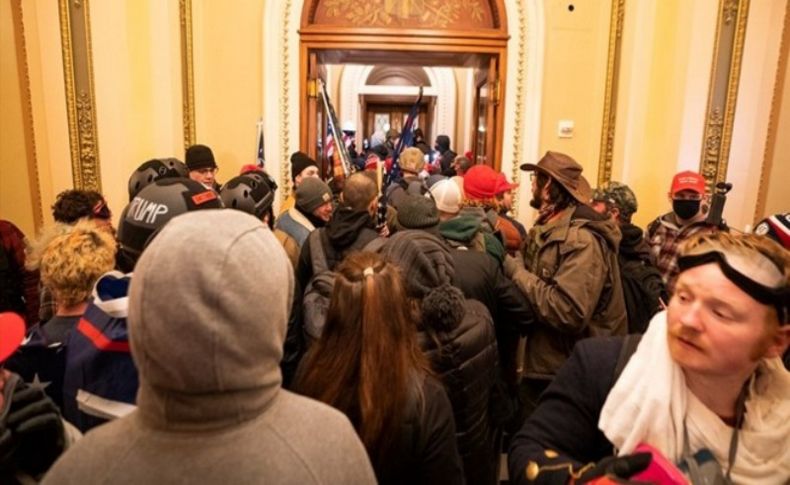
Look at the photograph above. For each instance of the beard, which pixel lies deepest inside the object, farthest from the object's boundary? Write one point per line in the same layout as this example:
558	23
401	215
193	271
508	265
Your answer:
537	201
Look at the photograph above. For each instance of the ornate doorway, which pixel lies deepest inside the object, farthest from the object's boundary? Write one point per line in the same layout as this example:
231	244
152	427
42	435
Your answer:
461	33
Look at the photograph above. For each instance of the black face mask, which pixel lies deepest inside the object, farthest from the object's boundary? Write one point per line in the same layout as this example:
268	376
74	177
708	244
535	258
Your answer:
686	209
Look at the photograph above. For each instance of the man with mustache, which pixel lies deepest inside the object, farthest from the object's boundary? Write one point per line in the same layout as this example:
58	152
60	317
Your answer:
705	388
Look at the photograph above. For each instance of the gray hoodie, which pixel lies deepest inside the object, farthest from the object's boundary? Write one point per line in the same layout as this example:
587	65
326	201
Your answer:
208	308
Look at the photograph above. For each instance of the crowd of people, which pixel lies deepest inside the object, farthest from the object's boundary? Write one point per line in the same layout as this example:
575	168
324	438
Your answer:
211	338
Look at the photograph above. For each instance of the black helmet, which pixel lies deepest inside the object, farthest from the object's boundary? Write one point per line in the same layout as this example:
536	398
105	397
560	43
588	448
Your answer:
155	169
153	207
263	177
249	193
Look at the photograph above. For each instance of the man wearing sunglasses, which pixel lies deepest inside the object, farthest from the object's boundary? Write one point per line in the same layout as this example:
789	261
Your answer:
704	388
667	232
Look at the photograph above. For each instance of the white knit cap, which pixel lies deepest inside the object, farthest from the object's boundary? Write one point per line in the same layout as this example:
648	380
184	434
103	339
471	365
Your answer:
447	195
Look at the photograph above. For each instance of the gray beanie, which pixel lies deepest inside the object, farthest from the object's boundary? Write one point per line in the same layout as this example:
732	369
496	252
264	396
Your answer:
417	212
424	261
311	194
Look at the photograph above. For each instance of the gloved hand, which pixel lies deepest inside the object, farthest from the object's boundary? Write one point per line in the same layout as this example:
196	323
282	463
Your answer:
36	429
513	264
622	467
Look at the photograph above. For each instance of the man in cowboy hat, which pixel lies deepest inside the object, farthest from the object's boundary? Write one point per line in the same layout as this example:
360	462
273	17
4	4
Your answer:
569	271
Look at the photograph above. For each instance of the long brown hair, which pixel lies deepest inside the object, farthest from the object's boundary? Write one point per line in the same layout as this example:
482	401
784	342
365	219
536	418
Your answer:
366	360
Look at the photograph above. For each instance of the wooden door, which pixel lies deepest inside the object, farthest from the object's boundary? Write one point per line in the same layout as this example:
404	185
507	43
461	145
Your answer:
485	117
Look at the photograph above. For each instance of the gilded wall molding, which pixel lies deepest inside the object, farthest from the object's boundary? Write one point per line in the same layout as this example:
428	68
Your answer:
521	74
187	73
285	136
80	97
34	179
610	96
776	105
723	90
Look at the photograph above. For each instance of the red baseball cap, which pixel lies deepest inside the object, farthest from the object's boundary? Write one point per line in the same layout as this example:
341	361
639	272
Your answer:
12	332
502	185
688	180
483	182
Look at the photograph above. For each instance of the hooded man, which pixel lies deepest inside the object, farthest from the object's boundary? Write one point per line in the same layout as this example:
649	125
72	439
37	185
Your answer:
313	208
411	164
446	156
569	274
667	232
210	407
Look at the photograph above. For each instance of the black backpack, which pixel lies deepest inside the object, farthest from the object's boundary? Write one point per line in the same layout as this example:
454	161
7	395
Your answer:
643	292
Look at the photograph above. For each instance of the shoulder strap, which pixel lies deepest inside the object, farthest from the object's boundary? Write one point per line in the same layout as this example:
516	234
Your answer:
630	343
317	254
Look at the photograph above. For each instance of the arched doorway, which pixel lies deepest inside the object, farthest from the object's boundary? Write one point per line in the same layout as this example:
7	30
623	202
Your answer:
466	33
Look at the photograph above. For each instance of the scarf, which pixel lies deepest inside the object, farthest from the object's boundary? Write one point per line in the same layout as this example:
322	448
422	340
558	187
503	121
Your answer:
650	402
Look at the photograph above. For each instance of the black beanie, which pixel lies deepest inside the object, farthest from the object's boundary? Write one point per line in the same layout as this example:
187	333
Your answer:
200	156
299	162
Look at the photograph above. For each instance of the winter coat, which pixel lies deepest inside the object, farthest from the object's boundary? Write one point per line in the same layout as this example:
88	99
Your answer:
479	277
572	280
446	162
426	451
465	358
295	224
210	406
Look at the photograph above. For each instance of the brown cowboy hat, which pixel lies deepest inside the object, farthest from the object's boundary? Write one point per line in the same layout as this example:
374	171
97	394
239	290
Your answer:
564	170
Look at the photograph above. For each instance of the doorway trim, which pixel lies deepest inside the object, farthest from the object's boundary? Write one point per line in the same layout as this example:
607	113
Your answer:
522	103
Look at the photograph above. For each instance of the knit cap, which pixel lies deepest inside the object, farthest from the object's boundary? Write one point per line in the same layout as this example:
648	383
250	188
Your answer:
417	212
447	194
311	194
199	157
299	162
424	260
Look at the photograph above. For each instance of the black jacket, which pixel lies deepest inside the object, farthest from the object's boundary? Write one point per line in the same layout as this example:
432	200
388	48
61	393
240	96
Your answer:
564	428
426	451
465	359
479	277
446	161
643	287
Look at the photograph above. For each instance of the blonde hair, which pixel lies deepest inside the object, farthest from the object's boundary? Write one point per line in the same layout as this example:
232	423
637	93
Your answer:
752	242
72	262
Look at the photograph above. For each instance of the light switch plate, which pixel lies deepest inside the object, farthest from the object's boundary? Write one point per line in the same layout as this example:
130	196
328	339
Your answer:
565	129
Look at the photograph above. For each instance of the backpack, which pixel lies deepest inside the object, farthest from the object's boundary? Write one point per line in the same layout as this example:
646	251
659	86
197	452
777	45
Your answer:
643	292
318	292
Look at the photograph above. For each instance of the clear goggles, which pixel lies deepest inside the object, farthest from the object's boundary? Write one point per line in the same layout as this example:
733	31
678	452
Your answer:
751	271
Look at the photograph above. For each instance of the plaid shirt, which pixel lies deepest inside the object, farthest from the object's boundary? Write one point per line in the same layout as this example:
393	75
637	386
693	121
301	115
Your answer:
664	238
13	242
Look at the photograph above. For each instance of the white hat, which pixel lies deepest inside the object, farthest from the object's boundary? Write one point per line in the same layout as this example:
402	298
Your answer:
447	195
